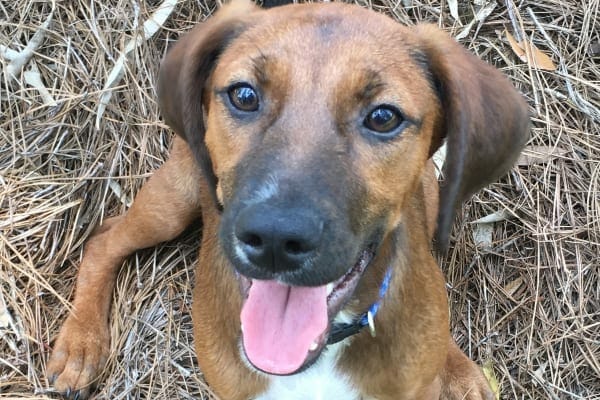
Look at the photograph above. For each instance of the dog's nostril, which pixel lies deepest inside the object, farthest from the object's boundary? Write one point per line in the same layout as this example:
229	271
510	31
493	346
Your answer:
293	247
252	240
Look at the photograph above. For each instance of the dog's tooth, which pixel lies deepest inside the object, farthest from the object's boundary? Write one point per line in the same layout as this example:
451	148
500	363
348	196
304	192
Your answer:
313	346
329	288
242	327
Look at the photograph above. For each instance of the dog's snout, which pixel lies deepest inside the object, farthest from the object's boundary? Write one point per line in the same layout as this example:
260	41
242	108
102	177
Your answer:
278	239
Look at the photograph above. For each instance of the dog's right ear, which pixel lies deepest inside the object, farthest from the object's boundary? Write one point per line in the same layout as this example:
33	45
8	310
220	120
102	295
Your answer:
185	71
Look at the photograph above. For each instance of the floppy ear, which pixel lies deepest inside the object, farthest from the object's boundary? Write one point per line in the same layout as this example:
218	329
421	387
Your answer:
483	118
185	71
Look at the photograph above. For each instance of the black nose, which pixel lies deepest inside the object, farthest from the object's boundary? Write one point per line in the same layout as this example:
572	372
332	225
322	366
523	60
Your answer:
276	238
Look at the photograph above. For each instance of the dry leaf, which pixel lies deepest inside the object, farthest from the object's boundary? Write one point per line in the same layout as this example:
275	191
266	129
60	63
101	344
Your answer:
512	287
516	46
116	189
33	78
539	155
498	216
488	371
453	5
439	158
539	374
484	11
7	324
530	54
8	53
482	236
484	228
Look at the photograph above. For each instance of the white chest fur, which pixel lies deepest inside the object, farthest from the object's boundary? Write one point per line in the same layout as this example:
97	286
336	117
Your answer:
322	381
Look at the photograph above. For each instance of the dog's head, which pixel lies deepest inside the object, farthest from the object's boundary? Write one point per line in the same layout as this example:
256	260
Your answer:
312	126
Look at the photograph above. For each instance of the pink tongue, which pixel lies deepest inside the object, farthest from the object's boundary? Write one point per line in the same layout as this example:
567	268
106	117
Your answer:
280	323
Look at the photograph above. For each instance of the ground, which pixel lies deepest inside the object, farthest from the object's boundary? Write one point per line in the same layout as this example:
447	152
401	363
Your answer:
526	305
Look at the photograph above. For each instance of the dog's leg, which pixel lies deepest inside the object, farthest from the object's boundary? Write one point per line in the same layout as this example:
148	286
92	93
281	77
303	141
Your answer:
164	207
462	378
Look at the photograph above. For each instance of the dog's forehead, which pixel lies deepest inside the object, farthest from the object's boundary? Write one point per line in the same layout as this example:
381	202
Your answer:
347	47
308	25
321	29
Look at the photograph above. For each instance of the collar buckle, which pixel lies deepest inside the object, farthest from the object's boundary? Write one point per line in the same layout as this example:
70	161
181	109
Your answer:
340	332
371	324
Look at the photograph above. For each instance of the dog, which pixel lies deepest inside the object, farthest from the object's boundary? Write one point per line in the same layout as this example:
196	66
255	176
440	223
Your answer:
304	137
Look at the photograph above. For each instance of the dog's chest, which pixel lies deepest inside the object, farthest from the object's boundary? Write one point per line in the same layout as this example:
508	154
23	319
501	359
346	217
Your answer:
322	381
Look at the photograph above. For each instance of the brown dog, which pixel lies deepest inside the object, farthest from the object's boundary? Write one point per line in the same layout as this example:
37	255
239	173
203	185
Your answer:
304	138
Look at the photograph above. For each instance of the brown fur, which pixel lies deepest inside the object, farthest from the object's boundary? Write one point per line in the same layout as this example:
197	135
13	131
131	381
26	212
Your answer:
447	93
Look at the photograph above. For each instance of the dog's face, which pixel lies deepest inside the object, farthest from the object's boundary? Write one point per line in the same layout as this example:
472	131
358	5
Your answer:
316	134
318	123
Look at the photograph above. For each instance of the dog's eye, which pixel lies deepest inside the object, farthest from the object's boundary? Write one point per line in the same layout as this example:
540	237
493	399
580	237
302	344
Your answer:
243	97
383	119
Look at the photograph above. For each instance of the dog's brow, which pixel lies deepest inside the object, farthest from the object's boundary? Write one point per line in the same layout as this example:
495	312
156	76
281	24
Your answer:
259	67
422	61
371	84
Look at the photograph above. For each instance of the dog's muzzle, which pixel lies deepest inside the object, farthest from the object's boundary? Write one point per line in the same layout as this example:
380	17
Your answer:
297	271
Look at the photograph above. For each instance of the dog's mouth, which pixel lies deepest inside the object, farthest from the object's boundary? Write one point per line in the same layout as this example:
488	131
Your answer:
285	328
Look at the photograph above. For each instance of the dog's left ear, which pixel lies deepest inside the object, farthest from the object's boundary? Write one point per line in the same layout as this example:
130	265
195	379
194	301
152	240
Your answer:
185	71
483	119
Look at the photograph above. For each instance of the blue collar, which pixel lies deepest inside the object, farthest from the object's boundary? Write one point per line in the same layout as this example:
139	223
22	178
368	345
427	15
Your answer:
341	331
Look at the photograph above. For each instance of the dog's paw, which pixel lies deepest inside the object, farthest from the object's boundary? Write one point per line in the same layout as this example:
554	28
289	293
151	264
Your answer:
465	389
80	353
462	379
